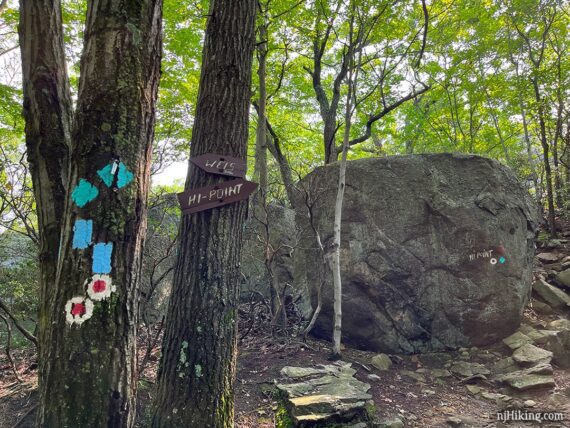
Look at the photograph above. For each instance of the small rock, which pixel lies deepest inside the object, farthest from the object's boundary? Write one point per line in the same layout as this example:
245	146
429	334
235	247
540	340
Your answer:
465	369
392	423
524	382
516	340
559	324
563	278
486	356
506	365
435	359
557	400
437	373
528	355
541	307
463	421
454	421
416	376
428	392
381	362
547	257
493	396
541	336
526	329
473	389
555	297
374	377
300	372
558	342
529	403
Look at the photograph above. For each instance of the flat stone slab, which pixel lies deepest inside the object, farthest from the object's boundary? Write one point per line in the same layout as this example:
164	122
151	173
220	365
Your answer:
563	278
539	376
559	324
554	296
516	340
528	355
547	257
524	383
323	395
466	369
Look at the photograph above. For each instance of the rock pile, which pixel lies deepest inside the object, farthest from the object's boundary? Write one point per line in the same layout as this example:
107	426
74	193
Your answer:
534	350
328	394
552	285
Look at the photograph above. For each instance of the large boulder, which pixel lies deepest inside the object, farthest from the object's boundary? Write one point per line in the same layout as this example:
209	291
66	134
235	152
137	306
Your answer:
282	244
437	251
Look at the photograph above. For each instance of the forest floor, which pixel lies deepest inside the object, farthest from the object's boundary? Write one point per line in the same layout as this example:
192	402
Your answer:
408	391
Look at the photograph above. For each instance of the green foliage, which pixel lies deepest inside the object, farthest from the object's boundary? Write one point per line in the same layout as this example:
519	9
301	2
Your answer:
282	418
478	60
19	288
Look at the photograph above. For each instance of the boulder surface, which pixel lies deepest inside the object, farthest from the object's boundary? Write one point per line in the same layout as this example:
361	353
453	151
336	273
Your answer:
437	251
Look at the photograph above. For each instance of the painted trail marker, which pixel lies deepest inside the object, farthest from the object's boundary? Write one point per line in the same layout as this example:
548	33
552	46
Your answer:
205	198
220	164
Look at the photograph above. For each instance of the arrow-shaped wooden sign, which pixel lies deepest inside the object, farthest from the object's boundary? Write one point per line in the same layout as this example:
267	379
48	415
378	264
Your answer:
220	164
208	197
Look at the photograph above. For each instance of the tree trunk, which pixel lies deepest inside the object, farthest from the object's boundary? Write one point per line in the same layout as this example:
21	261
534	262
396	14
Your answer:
329	137
545	150
48	115
87	367
530	159
337	280
260	171
197	370
274	147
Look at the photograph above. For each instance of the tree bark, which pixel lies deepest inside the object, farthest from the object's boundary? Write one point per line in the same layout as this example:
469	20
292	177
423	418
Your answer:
48	115
274	147
87	372
335	262
545	151
537	188
197	369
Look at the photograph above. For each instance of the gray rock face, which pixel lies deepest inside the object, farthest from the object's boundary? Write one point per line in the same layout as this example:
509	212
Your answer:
281	237
418	236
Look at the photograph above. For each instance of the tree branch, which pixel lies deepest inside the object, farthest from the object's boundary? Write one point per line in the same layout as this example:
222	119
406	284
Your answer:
19	326
386	110
424	39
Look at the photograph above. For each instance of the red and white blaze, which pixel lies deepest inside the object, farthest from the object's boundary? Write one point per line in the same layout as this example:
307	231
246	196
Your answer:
100	287
78	309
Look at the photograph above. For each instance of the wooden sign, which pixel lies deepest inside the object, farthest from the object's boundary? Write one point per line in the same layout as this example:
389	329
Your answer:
205	198
220	164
